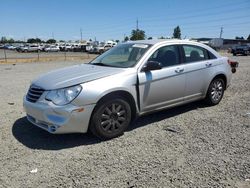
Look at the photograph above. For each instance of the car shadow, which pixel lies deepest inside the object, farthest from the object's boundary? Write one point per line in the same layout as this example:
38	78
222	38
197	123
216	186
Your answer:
36	138
165	114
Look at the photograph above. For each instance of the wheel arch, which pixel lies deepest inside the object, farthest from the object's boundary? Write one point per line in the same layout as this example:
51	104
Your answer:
119	94
220	75
223	77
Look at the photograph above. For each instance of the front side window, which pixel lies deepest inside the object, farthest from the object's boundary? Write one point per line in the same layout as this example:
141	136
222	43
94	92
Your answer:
122	56
194	53
167	56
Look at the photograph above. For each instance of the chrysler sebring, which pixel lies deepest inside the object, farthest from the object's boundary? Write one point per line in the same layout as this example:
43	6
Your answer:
129	80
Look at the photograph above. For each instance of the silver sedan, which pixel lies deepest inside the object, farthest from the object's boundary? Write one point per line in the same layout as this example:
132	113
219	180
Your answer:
129	80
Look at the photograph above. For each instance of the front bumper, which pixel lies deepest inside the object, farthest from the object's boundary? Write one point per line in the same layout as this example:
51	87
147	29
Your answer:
58	119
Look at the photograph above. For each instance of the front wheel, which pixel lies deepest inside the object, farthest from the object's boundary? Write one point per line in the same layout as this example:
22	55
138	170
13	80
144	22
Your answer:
110	118
215	91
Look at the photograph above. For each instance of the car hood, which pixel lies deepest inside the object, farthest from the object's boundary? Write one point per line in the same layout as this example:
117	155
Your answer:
74	75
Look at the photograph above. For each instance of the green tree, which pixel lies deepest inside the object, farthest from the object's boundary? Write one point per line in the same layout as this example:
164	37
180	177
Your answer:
150	38
34	40
137	34
51	41
4	40
117	41
248	38
31	40
11	40
161	37
239	38
38	40
126	38
177	33
61	40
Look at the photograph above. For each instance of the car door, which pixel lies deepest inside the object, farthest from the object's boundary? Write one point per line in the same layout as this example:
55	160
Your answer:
164	87
196	65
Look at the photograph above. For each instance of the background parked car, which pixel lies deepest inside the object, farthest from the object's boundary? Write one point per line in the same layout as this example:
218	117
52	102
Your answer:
9	47
66	47
52	48
30	48
99	49
241	49
79	48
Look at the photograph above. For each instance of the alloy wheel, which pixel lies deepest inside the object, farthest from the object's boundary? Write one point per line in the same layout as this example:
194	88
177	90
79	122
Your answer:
113	117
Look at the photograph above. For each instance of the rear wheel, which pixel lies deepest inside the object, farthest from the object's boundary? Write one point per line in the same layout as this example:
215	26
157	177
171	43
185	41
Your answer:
110	118
215	91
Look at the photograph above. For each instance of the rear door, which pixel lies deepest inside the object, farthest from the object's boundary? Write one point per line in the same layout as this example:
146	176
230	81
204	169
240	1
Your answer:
197	65
164	87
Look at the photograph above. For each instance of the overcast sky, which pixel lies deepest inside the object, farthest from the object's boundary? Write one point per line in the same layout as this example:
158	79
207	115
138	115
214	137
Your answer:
112	19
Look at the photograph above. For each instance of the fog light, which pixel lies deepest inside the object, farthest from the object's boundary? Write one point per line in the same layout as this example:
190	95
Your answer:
52	128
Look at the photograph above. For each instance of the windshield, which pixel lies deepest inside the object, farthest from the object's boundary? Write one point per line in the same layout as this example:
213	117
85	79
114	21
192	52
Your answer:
122	56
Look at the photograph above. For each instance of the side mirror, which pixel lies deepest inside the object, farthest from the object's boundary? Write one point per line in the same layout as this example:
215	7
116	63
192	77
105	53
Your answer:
152	65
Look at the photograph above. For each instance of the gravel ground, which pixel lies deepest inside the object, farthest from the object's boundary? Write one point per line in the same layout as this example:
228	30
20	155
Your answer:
189	146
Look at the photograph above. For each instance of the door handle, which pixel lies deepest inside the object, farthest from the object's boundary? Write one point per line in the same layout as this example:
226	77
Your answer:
208	64
179	70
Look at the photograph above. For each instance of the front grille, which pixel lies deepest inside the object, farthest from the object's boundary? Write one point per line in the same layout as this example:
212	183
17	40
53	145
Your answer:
34	93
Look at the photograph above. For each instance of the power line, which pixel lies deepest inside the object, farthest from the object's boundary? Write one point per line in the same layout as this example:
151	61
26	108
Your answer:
190	24
199	11
149	23
206	22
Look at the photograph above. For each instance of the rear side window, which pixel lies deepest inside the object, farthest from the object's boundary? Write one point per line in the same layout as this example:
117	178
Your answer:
211	55
194	53
167	56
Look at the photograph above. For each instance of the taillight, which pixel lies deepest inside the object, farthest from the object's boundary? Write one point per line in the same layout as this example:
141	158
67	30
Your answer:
233	65
229	62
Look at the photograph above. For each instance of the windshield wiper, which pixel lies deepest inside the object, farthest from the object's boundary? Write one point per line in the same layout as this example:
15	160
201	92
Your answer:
101	64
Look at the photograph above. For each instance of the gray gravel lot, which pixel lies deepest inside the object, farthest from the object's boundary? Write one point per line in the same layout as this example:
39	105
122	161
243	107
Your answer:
189	146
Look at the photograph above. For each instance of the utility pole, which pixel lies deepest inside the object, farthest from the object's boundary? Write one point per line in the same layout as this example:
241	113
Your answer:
221	31
81	33
137	24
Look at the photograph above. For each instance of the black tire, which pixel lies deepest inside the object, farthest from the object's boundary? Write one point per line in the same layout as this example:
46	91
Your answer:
234	54
110	118
215	91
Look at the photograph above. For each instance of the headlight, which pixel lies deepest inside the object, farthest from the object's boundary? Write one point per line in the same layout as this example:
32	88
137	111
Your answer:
63	96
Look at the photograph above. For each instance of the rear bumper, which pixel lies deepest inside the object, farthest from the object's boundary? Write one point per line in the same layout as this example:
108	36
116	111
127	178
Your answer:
59	119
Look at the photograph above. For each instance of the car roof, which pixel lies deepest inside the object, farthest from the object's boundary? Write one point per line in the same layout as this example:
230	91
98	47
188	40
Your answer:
175	41
165	41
